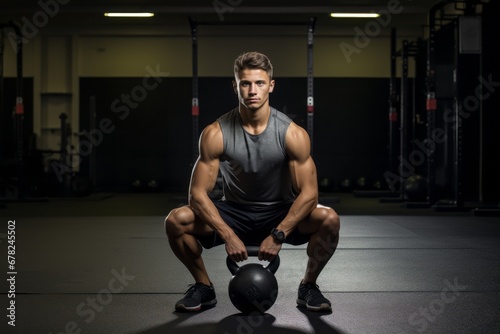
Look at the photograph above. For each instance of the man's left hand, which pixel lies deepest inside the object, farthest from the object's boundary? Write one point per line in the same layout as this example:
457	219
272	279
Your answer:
269	248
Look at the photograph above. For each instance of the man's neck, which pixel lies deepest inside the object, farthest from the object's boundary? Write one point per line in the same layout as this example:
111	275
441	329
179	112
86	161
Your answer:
255	121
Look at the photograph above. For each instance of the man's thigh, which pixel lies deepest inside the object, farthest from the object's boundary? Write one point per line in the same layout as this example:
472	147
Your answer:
313	222
250	223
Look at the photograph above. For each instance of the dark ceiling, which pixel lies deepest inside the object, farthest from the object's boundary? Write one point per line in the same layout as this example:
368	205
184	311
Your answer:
175	12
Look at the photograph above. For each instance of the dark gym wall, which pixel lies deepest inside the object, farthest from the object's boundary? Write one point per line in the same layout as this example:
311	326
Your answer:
150	140
7	126
351	128
154	139
491	105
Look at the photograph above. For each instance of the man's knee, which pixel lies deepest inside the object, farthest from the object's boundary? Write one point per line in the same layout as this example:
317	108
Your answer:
331	221
176	221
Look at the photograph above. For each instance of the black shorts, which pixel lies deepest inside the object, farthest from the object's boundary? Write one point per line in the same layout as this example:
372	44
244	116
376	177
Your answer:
252	224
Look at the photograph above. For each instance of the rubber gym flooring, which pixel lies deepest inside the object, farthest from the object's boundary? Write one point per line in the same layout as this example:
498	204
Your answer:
102	264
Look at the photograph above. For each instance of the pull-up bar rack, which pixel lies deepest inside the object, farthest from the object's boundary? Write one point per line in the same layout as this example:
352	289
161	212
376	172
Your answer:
19	107
195	109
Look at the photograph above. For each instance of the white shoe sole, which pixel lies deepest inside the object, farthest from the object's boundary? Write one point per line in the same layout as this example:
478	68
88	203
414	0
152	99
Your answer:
322	308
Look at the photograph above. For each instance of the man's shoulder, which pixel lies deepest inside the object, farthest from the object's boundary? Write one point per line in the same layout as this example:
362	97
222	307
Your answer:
212	128
228	115
281	116
211	140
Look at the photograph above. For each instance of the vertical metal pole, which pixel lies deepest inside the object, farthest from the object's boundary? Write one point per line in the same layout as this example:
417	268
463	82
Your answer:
310	87
195	109
481	134
457	157
404	113
19	113
65	158
1	69
393	114
431	102
457	131
1	86
93	154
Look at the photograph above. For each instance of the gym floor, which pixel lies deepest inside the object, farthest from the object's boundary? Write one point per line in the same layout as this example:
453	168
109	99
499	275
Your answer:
102	264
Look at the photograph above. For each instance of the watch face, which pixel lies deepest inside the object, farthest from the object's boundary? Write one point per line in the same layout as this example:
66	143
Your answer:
279	235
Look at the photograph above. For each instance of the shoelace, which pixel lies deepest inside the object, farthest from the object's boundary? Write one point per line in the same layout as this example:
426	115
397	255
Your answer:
192	290
312	290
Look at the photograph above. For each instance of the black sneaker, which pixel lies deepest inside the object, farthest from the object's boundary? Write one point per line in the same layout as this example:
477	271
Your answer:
311	297
197	296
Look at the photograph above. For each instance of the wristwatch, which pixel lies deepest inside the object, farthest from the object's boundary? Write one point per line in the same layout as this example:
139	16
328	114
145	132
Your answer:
278	235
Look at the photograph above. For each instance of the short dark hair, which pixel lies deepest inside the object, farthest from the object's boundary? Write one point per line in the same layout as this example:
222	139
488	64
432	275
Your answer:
255	61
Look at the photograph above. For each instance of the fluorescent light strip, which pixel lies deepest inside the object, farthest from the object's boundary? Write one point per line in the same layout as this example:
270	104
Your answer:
358	15
129	14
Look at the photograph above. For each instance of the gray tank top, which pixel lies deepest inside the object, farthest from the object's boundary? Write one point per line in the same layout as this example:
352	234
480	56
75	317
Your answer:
254	168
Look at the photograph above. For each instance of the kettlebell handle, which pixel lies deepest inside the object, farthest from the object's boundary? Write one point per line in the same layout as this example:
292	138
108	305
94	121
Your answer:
253	251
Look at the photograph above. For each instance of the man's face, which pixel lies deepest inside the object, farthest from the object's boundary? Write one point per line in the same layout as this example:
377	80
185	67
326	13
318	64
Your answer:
253	87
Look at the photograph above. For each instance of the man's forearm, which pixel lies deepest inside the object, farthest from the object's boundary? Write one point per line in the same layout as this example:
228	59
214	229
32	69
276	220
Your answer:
302	206
204	208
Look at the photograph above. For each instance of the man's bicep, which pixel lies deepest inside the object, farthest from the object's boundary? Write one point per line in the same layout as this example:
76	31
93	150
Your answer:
303	174
298	144
207	166
302	166
204	174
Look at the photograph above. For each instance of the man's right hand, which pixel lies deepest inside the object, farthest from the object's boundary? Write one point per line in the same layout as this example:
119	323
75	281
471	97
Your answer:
236	249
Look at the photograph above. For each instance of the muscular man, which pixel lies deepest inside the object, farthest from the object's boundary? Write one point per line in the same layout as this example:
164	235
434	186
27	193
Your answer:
269	186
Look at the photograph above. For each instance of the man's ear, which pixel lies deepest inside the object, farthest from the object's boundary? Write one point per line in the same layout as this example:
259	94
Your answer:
271	86
235	86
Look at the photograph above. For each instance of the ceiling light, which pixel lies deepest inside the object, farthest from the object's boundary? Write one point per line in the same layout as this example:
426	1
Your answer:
358	15
129	14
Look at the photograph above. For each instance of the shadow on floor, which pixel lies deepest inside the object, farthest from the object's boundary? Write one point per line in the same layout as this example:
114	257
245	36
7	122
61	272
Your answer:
238	323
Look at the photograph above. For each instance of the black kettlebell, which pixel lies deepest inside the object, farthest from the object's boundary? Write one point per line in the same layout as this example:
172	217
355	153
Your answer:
253	287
